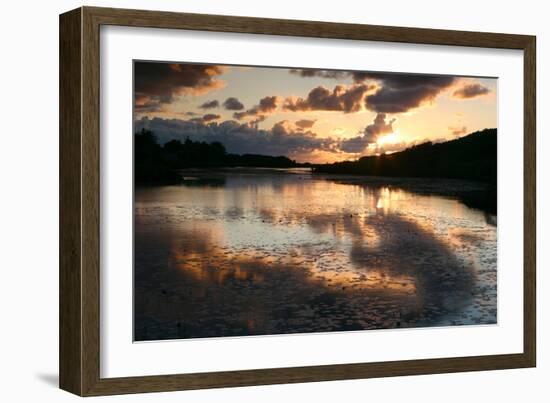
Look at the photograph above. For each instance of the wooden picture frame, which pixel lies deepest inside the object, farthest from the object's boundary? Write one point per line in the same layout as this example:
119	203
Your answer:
79	346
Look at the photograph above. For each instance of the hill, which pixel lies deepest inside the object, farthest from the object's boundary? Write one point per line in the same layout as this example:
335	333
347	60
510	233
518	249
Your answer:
472	157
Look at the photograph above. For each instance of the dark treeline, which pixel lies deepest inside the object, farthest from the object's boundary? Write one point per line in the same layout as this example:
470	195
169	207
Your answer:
159	164
472	157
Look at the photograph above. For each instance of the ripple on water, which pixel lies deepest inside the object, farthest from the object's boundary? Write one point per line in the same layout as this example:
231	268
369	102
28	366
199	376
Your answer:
268	254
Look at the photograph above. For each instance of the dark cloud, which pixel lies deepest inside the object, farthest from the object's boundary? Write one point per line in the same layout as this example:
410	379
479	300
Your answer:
286	127
320	73
145	104
370	135
233	104
410	81
209	117
156	84
305	123
471	91
210	104
356	76
341	98
457	130
266	106
282	128
239	138
379	127
397	92
258	119
402	92
240	115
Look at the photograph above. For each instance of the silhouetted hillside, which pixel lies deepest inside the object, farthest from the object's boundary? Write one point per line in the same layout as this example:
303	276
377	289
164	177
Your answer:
471	157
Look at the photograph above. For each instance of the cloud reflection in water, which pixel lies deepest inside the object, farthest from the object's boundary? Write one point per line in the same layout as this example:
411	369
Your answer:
265	252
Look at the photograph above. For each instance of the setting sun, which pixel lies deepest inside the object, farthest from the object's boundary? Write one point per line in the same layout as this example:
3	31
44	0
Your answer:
307	115
391	138
283	201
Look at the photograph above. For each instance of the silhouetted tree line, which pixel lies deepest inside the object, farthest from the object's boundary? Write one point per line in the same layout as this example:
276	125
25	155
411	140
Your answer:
472	157
150	165
159	164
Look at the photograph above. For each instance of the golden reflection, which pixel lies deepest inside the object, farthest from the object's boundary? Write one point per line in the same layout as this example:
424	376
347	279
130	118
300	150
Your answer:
217	258
210	262
293	252
218	266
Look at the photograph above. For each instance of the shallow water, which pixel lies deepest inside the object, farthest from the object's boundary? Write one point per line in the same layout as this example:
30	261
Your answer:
263	251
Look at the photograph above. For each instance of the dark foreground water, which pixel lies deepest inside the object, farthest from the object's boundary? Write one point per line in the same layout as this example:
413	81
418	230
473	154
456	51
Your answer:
259	251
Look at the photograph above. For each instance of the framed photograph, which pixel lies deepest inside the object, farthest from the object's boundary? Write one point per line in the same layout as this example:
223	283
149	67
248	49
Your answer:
250	201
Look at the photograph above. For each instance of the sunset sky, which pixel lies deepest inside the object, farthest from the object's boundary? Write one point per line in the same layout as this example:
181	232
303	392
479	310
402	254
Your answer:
308	115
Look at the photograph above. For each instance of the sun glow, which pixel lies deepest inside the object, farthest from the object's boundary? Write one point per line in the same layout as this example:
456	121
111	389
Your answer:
390	138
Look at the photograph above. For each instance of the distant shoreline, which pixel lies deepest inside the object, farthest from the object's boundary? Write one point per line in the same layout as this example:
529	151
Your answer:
426	167
474	194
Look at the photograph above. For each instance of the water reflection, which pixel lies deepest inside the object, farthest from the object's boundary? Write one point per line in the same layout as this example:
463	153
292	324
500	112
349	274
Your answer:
266	252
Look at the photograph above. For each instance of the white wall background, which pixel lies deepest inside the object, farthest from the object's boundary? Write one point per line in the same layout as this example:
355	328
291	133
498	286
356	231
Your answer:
29	199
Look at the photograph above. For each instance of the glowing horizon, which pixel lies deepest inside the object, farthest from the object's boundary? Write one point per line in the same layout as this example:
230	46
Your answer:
308	115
